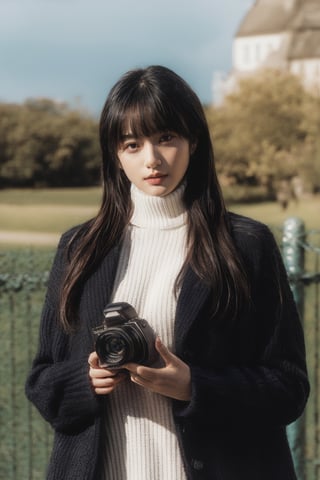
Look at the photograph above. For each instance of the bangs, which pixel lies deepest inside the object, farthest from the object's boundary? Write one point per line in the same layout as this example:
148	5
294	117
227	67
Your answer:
145	117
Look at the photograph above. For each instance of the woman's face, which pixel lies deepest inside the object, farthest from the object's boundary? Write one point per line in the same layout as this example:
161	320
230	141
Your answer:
156	164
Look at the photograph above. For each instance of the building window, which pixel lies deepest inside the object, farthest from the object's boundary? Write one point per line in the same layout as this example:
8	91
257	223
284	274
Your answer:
258	50
246	54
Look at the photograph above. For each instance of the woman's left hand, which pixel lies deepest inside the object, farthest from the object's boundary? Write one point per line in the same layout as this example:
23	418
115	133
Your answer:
173	380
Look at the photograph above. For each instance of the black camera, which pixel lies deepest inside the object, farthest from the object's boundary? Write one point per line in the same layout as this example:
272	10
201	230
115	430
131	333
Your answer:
124	337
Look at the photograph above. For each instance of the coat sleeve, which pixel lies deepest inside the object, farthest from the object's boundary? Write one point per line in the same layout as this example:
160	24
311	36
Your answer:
58	385
272	388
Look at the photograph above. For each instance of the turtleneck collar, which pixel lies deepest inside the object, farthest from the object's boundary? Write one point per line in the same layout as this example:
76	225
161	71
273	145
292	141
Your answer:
158	212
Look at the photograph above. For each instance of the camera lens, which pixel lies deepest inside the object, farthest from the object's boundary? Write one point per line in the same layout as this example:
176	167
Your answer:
119	345
116	345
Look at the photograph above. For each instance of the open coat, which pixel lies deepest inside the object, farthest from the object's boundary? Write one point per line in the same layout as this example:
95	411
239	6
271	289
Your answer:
249	376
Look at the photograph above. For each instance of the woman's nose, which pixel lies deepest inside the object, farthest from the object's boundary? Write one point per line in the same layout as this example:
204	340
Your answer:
152	157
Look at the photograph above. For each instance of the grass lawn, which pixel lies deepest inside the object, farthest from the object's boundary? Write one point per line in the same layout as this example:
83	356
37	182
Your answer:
270	213
26	214
53	196
49	211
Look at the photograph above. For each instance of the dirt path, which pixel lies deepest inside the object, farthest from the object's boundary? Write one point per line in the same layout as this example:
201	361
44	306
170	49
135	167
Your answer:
29	238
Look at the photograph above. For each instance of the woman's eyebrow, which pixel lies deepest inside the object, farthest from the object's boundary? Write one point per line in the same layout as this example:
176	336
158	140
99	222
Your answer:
127	136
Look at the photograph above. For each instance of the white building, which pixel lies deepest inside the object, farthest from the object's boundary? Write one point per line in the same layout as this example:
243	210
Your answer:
282	34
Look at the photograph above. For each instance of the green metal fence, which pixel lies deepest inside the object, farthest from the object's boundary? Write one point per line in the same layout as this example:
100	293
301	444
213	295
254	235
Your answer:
301	253
26	439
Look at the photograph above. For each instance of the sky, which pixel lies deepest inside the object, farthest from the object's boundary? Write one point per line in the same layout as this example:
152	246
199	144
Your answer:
75	50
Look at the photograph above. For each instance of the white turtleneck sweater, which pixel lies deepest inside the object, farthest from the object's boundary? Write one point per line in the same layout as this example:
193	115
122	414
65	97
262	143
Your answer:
141	441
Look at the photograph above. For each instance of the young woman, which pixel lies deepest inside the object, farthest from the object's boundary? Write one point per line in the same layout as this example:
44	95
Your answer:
210	283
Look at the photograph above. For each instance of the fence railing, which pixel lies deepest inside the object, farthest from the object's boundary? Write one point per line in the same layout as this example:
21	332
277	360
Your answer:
301	254
26	439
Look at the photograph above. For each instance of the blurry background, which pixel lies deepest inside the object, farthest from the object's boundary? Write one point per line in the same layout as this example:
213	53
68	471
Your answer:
255	66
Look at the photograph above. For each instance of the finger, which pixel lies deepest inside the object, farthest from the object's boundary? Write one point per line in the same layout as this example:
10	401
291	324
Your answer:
106	382
142	382
164	352
102	373
143	373
106	385
93	360
136	379
104	391
131	367
102	382
98	373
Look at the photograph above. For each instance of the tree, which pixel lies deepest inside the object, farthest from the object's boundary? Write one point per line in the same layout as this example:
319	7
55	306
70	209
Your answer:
45	143
259	129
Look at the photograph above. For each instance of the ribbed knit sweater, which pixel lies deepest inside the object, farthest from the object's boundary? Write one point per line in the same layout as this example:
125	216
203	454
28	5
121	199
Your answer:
141	442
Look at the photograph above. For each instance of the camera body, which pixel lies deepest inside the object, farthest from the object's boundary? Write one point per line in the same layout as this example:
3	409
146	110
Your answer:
123	337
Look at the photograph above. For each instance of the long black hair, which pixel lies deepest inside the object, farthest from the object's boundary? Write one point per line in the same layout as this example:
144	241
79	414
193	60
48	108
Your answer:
150	100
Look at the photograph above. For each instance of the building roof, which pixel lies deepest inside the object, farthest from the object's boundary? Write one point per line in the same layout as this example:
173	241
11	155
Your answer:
301	18
304	44
307	16
268	16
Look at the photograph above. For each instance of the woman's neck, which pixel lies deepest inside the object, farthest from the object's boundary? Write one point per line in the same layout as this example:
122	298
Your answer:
158	212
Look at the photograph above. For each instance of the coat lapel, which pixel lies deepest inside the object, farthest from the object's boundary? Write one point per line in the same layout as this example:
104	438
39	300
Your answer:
101	283
109	270
192	297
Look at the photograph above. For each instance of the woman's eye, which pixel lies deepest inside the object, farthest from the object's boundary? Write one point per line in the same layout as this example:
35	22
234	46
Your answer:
166	137
131	146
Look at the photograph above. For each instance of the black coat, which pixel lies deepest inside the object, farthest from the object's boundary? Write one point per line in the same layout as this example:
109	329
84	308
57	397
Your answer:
249	377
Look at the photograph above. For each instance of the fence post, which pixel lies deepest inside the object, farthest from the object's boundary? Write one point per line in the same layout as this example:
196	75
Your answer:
293	256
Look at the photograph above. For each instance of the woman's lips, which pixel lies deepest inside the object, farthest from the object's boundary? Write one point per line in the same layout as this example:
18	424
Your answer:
155	179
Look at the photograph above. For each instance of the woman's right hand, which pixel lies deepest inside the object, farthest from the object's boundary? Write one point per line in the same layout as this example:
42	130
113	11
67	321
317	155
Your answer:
103	381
